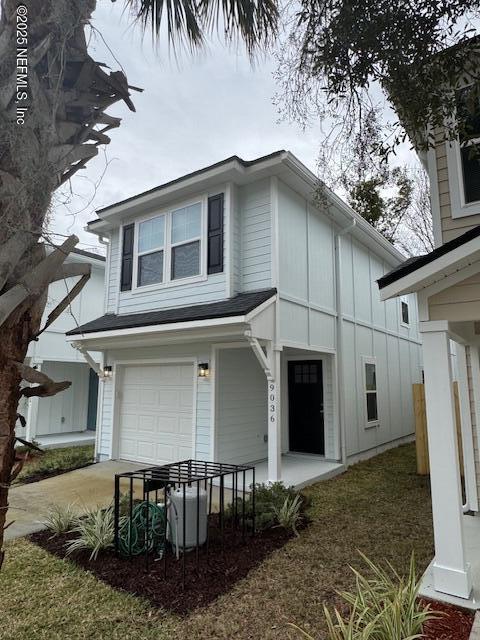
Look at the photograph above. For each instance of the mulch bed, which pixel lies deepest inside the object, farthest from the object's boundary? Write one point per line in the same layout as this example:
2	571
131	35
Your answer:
216	573
454	624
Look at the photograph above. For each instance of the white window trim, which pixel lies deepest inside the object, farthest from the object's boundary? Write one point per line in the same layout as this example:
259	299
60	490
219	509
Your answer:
406	300
369	360
168	245
459	208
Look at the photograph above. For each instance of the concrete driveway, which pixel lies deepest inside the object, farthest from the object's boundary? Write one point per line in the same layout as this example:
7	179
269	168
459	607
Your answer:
87	488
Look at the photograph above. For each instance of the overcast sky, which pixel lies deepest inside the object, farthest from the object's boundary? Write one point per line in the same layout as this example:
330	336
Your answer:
208	108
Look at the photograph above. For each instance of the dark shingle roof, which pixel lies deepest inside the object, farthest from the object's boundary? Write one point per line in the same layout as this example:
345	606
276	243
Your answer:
412	264
239	305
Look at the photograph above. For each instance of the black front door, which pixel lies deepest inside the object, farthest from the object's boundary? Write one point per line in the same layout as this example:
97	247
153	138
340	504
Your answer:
305	406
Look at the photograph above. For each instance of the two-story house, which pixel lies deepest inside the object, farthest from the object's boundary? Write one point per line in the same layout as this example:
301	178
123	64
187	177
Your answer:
69	417
243	324
447	284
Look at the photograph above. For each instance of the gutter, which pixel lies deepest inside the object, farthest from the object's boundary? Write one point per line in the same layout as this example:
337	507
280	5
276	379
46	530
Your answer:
339	305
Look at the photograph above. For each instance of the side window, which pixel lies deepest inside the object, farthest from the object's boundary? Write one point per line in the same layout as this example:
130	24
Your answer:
371	392
405	312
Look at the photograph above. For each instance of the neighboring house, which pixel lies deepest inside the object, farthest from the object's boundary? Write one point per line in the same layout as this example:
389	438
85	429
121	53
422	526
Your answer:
70	416
447	283
243	324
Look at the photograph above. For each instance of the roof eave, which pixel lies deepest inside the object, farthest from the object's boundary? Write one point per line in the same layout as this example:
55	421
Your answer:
434	271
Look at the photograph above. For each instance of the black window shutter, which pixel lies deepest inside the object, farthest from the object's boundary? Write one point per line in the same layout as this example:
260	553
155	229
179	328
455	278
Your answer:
127	257
215	234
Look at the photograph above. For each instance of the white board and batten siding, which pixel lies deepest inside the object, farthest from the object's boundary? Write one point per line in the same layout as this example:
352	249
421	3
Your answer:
241	407
306	273
372	329
185	354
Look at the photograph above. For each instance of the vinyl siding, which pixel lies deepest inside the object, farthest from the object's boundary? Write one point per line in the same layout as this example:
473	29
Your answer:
460	302
210	290
242	407
255	236
450	227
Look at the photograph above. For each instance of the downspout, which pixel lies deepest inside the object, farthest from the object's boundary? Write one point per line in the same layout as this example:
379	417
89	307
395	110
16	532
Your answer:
339	305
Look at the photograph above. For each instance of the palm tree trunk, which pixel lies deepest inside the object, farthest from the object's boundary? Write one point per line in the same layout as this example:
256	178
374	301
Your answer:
63	125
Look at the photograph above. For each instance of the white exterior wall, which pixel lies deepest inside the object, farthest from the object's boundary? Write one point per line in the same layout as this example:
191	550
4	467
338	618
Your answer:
66	411
255	236
202	404
241	407
249	264
371	328
85	307
306	273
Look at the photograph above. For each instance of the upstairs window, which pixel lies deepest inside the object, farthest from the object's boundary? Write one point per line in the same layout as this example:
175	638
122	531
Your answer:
185	241
151	251
182	244
170	246
371	392
468	114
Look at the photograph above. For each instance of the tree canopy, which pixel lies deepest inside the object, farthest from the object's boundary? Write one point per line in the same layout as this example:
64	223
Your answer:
342	55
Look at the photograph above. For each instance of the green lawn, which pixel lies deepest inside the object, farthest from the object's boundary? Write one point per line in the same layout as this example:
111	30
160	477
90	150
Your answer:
379	507
56	460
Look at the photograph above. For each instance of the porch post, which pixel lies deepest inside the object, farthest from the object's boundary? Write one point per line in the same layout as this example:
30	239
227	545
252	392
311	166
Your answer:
274	419
451	573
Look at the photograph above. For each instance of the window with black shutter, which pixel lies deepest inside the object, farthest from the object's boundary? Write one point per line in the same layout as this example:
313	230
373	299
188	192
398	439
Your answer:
127	257
215	234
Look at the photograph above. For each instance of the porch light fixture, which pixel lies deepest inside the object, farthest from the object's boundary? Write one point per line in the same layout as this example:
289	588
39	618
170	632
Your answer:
203	370
107	371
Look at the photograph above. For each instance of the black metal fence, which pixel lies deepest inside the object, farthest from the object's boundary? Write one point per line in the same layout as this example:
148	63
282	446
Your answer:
163	513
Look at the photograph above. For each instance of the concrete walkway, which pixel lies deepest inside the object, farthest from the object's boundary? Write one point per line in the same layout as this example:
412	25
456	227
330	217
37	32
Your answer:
86	488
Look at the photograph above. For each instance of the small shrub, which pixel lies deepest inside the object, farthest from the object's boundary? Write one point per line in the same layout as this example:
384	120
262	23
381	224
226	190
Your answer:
289	514
96	532
270	499
61	519
384	606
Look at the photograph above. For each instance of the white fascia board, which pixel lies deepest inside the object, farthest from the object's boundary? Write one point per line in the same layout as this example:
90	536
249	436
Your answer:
261	307
433	272
156	329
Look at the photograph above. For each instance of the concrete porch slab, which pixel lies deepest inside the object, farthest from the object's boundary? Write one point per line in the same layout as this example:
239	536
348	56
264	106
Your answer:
298	470
59	440
87	488
471	530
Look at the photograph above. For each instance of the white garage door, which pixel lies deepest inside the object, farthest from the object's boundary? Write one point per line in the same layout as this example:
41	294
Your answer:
156	413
